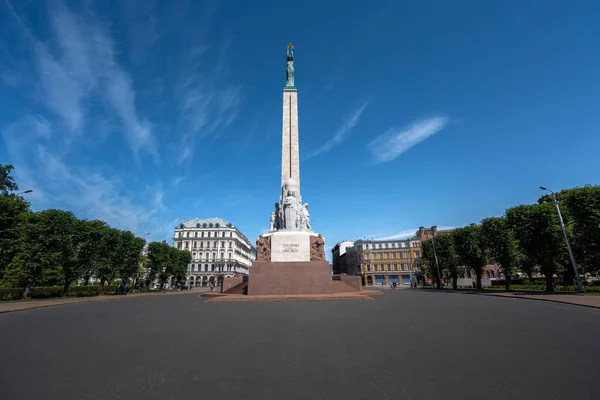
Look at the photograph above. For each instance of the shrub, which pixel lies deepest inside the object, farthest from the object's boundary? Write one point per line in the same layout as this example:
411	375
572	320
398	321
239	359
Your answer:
110	289
83	291
45	292
11	293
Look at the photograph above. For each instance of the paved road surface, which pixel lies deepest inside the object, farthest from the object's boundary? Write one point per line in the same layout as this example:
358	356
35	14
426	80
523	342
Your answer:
402	345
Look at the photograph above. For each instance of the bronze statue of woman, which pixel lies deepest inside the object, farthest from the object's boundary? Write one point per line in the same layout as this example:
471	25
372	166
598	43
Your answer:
289	73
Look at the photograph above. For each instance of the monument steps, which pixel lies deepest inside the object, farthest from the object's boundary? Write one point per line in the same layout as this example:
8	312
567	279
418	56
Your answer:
341	287
237	289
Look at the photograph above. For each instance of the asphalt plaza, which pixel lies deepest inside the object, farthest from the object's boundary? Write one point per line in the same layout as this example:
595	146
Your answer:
402	345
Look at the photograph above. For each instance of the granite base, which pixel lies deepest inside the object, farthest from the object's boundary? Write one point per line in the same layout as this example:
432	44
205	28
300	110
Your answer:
304	277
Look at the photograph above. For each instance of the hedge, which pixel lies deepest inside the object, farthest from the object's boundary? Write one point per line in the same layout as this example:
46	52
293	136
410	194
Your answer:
11	294
110	289
83	291
45	292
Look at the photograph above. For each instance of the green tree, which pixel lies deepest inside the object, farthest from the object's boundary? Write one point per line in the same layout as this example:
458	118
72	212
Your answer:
581	207
158	261
428	260
7	182
106	270
130	249
468	243
14	211
30	260
501	245
181	260
91	255
447	256
539	233
59	238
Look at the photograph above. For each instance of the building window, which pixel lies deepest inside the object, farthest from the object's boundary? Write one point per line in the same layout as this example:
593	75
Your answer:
401	266
202	234
222	244
389	267
179	245
214	256
222	256
195	244
369	267
395	266
187	244
417	253
230	255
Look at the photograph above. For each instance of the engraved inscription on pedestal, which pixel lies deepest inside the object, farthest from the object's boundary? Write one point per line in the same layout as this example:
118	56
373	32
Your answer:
290	247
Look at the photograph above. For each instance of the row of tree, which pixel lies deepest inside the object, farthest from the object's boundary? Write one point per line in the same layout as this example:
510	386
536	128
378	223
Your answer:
527	239
54	248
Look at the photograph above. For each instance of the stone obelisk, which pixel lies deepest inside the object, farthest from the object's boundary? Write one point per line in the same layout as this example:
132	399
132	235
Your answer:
290	151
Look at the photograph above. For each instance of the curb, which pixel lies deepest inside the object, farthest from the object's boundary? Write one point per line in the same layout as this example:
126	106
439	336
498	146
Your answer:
546	300
521	297
88	300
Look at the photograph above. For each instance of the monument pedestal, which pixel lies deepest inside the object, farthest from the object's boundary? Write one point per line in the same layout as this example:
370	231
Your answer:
290	262
299	277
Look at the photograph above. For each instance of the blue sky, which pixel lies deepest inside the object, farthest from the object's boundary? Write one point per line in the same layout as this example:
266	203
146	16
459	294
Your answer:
412	113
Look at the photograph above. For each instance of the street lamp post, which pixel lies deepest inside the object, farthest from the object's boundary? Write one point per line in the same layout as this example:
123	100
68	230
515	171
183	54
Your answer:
580	287
26	191
141	268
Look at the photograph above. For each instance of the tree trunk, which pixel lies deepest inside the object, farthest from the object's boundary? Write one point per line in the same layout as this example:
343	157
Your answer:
454	282
26	290
478	279
66	288
101	289
549	283
508	283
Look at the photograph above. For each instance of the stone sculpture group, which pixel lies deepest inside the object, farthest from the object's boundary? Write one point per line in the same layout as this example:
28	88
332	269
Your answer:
293	215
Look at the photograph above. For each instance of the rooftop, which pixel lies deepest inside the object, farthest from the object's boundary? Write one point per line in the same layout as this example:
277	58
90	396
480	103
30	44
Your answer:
211	222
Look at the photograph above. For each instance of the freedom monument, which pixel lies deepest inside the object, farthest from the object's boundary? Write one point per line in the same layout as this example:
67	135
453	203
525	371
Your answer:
290	258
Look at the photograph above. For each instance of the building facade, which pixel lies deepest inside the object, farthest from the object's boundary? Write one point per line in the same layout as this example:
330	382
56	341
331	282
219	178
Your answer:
338	257
383	262
217	247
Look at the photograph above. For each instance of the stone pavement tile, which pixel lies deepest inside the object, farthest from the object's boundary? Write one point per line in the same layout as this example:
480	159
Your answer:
20	305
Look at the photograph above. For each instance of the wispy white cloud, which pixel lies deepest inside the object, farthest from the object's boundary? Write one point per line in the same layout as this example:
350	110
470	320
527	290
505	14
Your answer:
207	109
84	65
88	192
396	141
410	232
400	235
342	132
177	180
